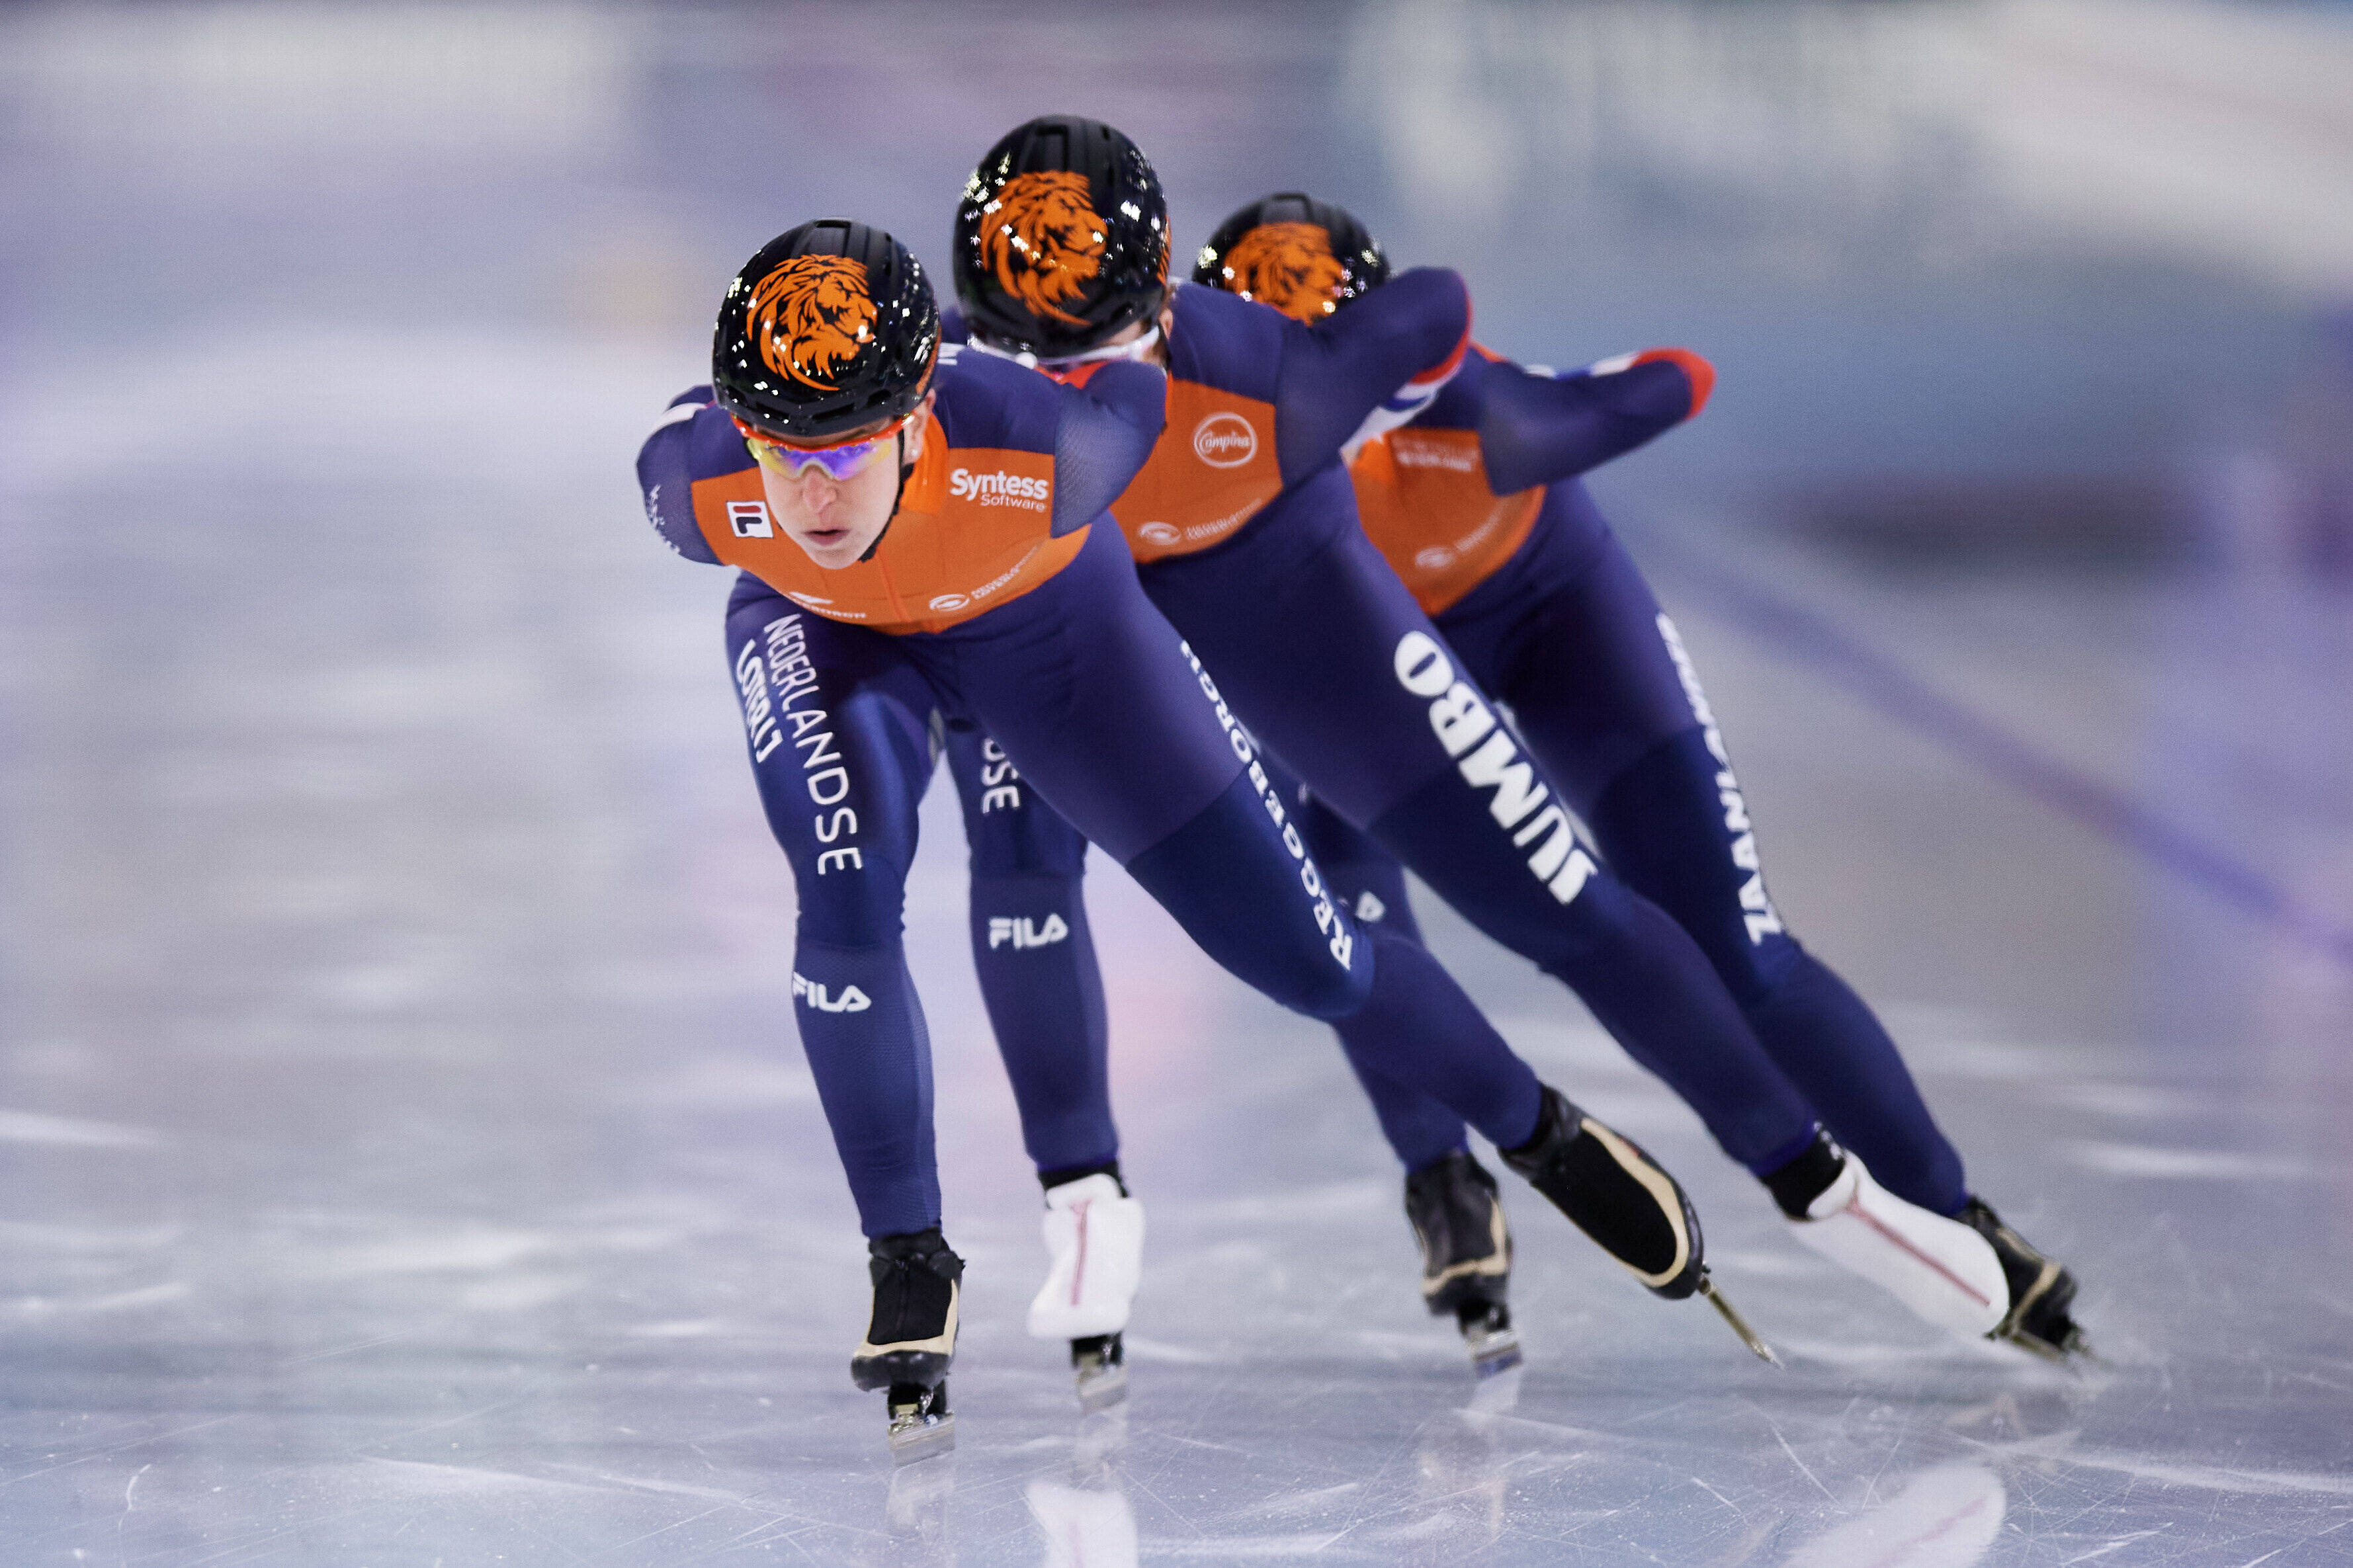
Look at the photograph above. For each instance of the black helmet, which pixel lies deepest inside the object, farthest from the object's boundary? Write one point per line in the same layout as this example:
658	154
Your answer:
1061	239
1303	256
830	327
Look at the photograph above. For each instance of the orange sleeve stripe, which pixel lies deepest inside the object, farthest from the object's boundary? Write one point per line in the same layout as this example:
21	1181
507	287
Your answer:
1438	373
1697	371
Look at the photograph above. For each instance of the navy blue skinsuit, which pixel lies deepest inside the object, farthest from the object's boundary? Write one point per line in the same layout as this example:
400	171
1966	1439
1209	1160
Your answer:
1305	627
1567	634
1092	695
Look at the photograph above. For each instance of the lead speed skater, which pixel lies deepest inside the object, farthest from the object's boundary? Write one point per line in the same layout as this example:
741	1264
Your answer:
832	461
1255	568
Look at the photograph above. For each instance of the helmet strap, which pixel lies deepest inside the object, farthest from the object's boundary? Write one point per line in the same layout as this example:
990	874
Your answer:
906	470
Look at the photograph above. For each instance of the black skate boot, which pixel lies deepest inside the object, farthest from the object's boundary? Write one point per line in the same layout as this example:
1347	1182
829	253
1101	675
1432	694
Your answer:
1098	1362
1615	1193
911	1341
2040	1291
1627	1202
1466	1256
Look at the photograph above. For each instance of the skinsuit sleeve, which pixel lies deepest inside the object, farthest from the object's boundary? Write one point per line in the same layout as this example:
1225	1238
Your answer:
1370	368
1110	419
1536	430
666	472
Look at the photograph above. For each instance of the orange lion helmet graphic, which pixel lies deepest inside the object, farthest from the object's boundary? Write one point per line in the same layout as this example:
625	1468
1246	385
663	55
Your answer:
811	317
1289	266
1042	241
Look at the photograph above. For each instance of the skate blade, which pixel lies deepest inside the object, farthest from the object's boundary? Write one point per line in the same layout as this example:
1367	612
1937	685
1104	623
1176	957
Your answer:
1492	1355
2074	1355
915	1437
1100	1388
1731	1315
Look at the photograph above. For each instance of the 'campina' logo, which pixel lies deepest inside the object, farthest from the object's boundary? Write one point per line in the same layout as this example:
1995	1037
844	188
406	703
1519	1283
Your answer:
1437	558
1289	266
951	602
1225	441
1159	532
811	317
1042	240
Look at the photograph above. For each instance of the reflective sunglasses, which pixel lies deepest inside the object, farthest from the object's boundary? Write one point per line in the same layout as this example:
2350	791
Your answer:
842	460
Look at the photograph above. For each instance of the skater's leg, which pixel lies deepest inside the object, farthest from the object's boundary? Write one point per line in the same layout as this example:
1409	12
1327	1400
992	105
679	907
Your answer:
1036	959
1038	976
1675	824
838	726
1095	703
1450	1199
1432	1040
1326	657
1108	715
1368	880
1606	697
1570	637
1362	873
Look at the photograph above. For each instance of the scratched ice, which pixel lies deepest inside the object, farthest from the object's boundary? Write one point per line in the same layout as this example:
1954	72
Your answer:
405	1157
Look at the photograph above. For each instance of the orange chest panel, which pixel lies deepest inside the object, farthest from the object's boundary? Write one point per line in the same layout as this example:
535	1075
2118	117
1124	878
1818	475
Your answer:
973	530
1426	505
1212	469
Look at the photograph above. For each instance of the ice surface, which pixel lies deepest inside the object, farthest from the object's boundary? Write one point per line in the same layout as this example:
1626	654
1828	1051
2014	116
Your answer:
405	1157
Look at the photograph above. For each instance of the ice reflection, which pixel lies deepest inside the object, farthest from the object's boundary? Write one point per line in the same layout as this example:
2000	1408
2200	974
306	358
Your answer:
1084	1515
1944	1517
1461	1480
915	1518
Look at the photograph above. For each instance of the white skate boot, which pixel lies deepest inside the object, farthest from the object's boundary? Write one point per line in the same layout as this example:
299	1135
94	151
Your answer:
1940	1267
1095	1236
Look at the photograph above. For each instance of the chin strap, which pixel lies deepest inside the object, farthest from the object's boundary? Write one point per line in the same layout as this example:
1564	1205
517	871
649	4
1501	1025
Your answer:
906	468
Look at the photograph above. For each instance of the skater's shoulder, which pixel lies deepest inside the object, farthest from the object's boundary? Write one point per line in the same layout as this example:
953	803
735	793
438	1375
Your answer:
1227	342
692	463
700	436
1463	398
983	401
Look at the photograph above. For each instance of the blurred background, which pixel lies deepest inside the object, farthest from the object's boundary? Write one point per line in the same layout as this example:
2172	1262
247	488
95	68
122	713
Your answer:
405	1152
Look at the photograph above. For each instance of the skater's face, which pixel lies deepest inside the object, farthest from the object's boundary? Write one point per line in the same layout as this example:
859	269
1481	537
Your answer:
837	519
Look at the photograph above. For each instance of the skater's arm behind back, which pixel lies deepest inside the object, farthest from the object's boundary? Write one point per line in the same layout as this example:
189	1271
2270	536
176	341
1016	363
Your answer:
1537	428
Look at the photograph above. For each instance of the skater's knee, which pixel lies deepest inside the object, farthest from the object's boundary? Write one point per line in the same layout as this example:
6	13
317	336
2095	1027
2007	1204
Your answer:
1325	973
1331	976
1033	842
853	914
1327	991
1254	900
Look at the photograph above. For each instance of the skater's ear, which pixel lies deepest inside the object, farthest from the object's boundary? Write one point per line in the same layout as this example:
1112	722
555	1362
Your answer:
920	426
